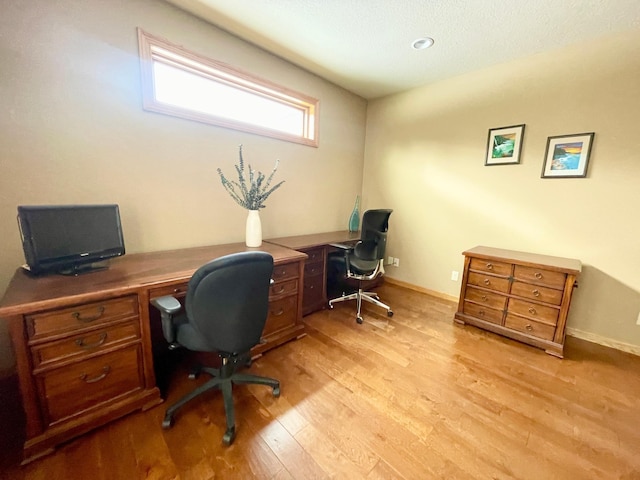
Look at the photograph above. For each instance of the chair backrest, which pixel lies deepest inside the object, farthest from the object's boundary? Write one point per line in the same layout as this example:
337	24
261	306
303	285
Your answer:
375	224
228	300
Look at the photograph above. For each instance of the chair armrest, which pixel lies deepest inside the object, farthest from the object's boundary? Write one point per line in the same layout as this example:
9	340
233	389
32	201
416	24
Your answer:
167	304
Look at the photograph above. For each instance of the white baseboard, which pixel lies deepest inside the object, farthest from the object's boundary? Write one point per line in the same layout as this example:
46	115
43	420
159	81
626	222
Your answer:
600	340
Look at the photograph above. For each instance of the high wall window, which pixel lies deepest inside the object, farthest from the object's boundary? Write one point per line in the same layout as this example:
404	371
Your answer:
184	84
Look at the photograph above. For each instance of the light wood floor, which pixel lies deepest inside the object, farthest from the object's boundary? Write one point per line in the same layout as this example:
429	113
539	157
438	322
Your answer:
411	397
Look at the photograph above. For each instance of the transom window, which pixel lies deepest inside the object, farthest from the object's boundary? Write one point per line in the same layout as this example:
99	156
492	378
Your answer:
184	84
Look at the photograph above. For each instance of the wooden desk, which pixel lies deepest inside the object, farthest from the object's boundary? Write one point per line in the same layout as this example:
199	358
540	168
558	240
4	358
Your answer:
316	246
83	344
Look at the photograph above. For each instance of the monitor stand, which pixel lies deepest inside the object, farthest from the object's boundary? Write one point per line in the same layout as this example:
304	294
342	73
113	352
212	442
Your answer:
84	268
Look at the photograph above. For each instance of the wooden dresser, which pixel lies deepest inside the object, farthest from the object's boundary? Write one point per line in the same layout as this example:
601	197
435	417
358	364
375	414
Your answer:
83	344
523	296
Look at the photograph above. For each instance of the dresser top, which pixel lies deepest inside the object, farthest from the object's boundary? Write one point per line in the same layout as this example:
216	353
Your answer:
567	265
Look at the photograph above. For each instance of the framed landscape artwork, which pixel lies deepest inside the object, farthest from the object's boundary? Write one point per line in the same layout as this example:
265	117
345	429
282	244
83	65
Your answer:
567	156
504	145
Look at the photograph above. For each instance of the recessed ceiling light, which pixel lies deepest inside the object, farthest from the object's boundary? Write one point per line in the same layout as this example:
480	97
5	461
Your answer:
422	43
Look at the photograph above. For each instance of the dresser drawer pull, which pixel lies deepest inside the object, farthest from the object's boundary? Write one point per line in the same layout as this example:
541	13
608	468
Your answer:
77	315
528	327
481	313
487	281
278	313
536	292
484	298
489	266
532	311
80	342
105	371
538	275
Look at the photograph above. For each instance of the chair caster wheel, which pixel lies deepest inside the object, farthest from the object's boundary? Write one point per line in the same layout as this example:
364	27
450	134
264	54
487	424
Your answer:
167	423
389	313
276	392
359	320
229	436
195	372
330	307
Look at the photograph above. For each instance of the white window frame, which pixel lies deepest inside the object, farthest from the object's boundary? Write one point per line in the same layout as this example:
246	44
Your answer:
155	49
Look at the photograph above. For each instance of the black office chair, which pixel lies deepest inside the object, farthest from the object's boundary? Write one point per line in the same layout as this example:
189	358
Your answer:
225	311
365	260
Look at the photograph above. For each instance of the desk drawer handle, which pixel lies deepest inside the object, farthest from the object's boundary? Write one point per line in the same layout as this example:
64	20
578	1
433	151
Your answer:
484	298
487	281
536	292
481	313
532	311
278	313
78	315
80	342
280	290
528	327
105	371
538	275
283	273
489	266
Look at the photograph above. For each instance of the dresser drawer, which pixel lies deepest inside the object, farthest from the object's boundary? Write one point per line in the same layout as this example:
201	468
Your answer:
530	327
177	290
50	353
536	292
83	316
285	271
487	281
89	384
283	288
489	299
534	311
489	266
540	276
283	313
483	313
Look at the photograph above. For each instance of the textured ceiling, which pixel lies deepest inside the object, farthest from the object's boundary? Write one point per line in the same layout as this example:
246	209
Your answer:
365	45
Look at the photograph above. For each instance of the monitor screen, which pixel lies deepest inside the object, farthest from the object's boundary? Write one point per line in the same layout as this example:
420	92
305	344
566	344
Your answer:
68	238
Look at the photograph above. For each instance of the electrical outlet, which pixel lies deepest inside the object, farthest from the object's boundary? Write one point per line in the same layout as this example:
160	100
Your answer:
454	275
390	261
396	262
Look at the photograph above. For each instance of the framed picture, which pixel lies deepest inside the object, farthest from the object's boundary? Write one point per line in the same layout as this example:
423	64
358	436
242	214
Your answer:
567	156
504	145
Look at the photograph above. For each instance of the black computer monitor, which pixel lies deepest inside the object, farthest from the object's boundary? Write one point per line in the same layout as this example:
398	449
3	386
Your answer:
69	239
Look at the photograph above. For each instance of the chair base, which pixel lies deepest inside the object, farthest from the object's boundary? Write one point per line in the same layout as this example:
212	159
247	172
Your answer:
359	296
223	379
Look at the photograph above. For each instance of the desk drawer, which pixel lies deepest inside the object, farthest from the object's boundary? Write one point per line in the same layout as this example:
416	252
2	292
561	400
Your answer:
178	290
81	317
313	269
315	255
89	384
77	346
283	313
285	271
280	289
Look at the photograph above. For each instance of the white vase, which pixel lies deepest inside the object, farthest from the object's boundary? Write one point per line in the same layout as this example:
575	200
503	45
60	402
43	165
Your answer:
253	234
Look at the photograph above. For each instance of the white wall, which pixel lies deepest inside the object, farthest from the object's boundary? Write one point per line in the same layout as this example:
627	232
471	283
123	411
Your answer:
424	157
73	130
